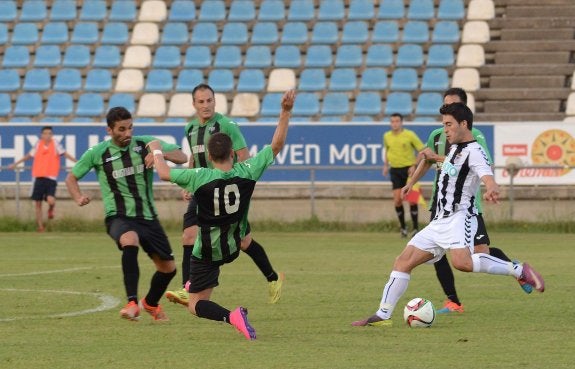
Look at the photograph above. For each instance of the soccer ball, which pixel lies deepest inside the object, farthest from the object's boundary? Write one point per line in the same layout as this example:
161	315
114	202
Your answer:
419	312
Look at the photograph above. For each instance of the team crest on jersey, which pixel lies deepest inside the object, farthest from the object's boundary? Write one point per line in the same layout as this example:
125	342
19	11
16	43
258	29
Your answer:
449	168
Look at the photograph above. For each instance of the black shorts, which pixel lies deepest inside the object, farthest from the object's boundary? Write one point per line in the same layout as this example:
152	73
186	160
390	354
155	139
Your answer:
43	187
204	275
152	237
481	236
191	216
398	177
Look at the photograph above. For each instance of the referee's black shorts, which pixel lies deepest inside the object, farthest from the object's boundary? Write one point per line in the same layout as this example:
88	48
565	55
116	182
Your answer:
398	177
43	187
152	237
204	275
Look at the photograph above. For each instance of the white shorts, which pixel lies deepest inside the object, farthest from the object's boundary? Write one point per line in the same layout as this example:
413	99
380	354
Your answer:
454	232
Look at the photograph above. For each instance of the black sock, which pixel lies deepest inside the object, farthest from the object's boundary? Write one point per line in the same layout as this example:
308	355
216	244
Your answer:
400	216
186	263
131	271
414	211
498	253
158	286
259	256
446	279
210	310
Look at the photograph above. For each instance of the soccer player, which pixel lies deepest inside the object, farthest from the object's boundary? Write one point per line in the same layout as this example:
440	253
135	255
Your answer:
223	195
198	132
45	170
400	147
455	218
123	166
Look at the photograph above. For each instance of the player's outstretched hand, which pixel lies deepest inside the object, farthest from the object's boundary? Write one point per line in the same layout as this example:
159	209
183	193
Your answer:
83	200
288	100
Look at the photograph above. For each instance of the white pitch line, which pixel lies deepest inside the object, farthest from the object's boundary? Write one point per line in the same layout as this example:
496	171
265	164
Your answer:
53	271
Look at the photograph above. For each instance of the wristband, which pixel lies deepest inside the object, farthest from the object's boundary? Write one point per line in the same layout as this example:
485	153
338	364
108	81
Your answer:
157	152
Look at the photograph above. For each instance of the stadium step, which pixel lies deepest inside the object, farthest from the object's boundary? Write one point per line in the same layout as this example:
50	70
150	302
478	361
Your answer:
527	82
521	94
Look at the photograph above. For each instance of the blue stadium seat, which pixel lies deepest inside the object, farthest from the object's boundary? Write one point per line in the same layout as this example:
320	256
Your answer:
122	99
85	33
306	104
242	11
435	79
234	34
342	79
159	80
361	10
107	56
404	79
175	33
33	11
212	11
428	103
37	80
182	11
391	9
368	103
258	57
9	80
3	34
373	79
440	56
325	33
318	56
115	33
16	57
64	10
188	79
98	80
68	80
355	32
335	103
251	80
331	10
90	105
77	56
348	56
221	80
409	55
446	32
167	57
204	34
312	79
271	105
59	104
24	34
287	56
47	56
398	102
294	33
451	9
302	10
55	33
197	57
8	11
93	10
123	11
385	32
265	33
228	57
272	10
420	9
379	56
415	32
28	103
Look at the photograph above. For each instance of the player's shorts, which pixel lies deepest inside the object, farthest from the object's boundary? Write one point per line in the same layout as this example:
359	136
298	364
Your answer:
454	232
191	216
43	187
398	177
204	275
152	237
481	237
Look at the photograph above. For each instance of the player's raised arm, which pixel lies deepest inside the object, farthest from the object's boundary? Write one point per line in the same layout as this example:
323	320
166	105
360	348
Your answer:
280	133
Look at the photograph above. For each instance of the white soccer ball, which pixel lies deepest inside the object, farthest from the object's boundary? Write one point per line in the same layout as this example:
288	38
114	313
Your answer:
419	312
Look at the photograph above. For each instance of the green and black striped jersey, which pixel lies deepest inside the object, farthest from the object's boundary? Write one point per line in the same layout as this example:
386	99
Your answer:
125	182
223	203
198	136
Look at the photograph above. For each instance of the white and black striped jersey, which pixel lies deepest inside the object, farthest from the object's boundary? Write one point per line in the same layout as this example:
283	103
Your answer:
459	179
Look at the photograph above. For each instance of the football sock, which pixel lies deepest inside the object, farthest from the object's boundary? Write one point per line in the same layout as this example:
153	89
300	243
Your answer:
393	290
446	279
400	216
131	271
259	256
158	286
498	253
414	211
210	310
186	259
485	263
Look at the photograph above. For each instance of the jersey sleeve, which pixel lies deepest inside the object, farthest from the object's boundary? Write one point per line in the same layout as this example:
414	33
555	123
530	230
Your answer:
480	138
479	162
184	178
256	165
238	140
84	164
165	146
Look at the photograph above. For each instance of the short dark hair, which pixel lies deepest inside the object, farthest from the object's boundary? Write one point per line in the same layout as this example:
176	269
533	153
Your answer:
459	111
457	91
117	114
397	115
202	86
219	147
49	128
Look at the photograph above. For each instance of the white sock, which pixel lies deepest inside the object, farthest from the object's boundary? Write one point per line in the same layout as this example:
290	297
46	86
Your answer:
393	290
485	263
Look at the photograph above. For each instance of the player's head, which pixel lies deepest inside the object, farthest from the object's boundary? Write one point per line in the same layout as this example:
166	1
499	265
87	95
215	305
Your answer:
455	95
457	122
46	133
220	148
396	122
120	126
204	101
